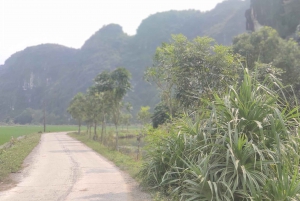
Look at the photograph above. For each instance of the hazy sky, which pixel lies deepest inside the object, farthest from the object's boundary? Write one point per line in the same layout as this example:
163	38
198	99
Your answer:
26	23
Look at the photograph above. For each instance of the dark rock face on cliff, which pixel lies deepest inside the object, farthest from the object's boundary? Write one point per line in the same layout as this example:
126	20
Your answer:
283	15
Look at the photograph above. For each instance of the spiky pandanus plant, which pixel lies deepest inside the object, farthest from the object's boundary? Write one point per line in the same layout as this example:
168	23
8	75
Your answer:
245	147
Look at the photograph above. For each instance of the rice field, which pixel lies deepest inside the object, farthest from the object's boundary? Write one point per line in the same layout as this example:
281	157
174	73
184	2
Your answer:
7	132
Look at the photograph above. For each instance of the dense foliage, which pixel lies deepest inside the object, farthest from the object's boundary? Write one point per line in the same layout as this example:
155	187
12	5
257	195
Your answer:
266	47
184	70
242	145
235	135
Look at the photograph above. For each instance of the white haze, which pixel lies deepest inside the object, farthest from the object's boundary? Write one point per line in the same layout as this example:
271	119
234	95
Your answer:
26	23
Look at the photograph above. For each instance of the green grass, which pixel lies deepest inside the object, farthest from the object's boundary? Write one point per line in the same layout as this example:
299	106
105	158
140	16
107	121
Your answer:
123	132
7	132
11	159
124	162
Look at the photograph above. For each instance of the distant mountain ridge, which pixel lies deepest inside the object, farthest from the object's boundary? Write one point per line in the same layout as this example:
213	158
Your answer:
51	75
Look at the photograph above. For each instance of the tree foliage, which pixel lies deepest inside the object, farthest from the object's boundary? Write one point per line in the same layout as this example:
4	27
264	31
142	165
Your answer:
187	70
114	85
144	115
160	115
103	100
76	109
265	46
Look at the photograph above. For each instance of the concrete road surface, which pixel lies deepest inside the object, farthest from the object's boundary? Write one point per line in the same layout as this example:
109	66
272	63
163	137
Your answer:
62	168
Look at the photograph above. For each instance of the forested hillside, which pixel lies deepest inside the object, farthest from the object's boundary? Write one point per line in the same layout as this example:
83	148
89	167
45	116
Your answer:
50	75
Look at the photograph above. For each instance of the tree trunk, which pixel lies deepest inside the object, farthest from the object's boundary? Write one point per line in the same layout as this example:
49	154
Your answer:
79	125
44	111
170	107
90	131
139	144
95	131
117	138
105	128
102	131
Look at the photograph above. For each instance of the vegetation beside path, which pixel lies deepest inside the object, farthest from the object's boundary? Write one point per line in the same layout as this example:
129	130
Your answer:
11	159
124	162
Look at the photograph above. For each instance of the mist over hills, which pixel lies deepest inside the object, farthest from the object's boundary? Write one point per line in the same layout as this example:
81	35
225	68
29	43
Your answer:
51	75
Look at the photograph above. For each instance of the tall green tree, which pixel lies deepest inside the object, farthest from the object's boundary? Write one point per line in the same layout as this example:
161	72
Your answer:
121	79
93	108
105	107
187	70
126	115
144	115
76	109
162	74
115	84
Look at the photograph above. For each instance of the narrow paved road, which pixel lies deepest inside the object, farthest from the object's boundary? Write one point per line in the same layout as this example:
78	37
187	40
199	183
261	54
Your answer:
65	169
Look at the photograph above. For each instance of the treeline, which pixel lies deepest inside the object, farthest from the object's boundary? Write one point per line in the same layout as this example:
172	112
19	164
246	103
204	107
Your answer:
227	124
102	102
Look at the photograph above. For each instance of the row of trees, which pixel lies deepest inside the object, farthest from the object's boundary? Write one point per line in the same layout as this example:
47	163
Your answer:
102	102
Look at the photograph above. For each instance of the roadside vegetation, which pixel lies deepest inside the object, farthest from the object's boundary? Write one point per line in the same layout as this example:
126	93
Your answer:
244	144
125	161
11	159
227	124
231	132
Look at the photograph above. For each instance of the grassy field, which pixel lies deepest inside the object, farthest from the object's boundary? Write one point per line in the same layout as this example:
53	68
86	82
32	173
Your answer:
123	131
7	132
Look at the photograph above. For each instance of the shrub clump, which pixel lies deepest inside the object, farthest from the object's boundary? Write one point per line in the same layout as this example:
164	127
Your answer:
243	145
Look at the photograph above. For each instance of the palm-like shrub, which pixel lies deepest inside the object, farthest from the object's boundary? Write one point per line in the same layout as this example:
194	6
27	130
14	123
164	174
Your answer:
244	147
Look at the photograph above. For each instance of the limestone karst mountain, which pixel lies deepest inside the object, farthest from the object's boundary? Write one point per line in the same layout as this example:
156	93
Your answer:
50	75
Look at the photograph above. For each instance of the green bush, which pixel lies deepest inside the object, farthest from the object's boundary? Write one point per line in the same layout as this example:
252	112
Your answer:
241	146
